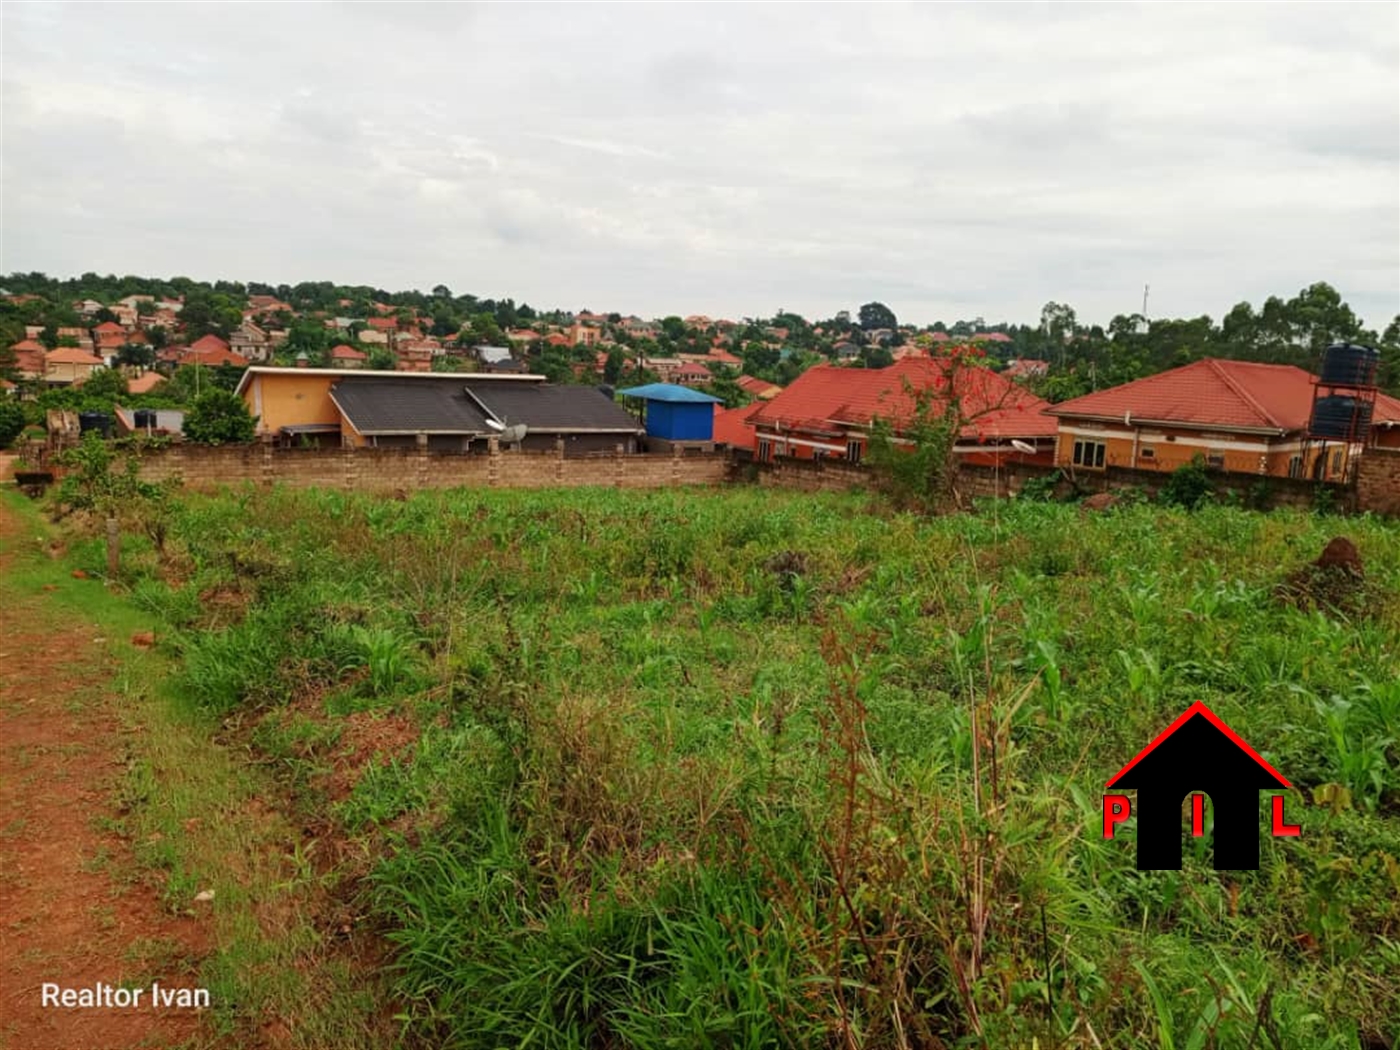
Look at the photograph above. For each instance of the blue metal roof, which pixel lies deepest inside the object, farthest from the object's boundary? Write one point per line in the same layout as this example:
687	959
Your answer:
667	392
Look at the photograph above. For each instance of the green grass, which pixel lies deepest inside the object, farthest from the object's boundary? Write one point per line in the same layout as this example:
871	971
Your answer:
755	768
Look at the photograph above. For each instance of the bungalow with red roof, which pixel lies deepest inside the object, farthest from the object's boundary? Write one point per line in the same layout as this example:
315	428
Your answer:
1241	416
759	388
210	351
108	337
29	358
344	356
251	342
145	382
829	410
70	365
692	373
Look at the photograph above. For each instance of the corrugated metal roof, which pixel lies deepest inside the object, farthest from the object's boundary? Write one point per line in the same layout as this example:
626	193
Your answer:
378	405
667	392
554	408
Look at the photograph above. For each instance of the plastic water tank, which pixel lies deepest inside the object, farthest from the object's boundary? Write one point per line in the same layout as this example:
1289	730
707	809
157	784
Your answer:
1350	364
1341	417
145	419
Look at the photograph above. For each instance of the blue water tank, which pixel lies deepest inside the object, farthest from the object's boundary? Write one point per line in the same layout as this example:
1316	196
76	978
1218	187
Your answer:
1340	417
98	421
1350	364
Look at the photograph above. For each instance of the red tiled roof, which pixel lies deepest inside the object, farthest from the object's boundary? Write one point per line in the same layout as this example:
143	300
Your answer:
1026	367
28	344
1229	395
383	324
1387	411
733	426
758	387
108	326
725	358
827	397
72	355
209	344
693	368
347	353
144	383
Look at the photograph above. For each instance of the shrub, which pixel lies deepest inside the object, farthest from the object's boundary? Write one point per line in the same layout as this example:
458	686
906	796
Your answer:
1189	486
1041	488
219	417
11	422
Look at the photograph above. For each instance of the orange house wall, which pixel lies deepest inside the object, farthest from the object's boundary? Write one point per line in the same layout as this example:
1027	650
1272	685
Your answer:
1168	455
283	400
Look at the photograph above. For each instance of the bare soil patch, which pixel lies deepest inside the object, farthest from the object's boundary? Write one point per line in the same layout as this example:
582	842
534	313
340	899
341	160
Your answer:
73	910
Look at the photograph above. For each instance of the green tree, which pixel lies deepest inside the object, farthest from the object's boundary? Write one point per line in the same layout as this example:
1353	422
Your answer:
136	354
219	417
877	315
616	362
11	420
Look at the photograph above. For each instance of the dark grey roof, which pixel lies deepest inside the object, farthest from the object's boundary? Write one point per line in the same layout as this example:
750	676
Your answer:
380	405
542	406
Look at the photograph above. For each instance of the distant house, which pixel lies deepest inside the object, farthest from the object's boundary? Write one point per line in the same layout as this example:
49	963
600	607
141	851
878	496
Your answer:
108	337
344	356
558	339
585	335
81	336
445	411
828	412
70	366
1240	416
145	382
759	388
522	335
29	358
250	342
412	358
209	351
692	373
267	304
165	422
1026	368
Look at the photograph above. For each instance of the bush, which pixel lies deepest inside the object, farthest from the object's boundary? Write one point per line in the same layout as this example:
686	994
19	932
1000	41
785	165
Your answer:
219	417
11	422
1041	488
1189	486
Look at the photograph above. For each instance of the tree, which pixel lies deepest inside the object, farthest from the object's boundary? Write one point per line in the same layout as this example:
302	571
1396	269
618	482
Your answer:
877	315
219	417
612	369
137	355
441	291
673	328
11	421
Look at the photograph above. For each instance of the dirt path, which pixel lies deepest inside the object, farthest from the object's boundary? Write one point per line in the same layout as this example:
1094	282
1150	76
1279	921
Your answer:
75	910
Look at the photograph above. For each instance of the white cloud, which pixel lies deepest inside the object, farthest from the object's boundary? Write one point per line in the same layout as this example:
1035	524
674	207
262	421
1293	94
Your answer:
952	160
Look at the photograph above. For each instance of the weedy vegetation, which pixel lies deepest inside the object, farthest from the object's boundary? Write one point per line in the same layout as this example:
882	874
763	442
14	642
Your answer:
751	768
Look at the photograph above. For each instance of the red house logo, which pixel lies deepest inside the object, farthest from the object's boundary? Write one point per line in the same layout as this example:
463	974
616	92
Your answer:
1197	755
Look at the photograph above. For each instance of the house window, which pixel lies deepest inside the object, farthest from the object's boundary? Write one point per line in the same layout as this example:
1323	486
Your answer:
765	450
1217	462
1089	454
853	451
1295	466
1337	462
1147	453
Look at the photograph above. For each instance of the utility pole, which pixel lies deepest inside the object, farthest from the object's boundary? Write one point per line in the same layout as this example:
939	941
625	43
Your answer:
1145	289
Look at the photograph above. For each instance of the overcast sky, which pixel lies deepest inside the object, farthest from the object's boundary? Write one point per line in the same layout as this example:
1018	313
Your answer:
725	159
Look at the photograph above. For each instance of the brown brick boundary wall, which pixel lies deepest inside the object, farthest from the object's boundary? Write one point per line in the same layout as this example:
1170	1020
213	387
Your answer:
389	470
978	482
1378	481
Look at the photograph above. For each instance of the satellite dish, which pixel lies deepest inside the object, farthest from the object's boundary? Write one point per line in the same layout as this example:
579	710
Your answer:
513	435
1021	446
495	425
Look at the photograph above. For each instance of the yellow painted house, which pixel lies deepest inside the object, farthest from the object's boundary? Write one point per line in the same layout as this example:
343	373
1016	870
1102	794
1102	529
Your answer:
1240	416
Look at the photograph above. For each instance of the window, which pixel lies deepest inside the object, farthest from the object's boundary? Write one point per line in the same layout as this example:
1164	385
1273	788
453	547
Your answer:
1147	453
1295	466
1217	462
1337	462
819	453
1089	454
765	450
853	450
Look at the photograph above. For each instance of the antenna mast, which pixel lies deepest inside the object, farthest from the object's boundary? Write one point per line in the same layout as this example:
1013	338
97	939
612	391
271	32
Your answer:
1145	288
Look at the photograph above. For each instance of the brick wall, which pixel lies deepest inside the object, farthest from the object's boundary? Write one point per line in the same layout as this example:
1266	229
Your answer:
1378	481
808	475
388	470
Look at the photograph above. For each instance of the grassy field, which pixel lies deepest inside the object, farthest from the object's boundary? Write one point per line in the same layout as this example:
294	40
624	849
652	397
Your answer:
750	768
